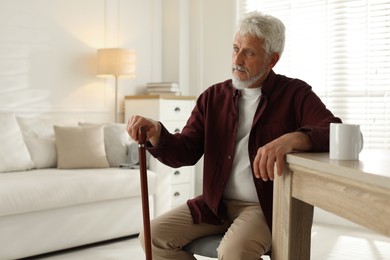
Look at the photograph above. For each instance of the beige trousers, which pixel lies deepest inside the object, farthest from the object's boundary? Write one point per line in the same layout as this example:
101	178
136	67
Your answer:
247	235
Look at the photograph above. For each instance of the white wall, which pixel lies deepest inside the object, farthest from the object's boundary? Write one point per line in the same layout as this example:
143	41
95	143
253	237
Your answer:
197	40
212	26
48	47
47	51
48	54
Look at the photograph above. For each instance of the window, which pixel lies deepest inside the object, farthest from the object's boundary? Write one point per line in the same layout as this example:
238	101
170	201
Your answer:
342	49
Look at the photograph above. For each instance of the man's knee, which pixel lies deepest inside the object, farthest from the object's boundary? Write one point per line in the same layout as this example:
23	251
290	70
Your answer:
156	232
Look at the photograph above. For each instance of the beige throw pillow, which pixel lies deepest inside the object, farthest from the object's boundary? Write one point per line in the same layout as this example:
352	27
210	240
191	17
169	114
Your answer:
80	147
116	142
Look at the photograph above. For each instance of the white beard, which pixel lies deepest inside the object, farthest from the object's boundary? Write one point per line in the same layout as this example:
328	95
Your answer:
241	84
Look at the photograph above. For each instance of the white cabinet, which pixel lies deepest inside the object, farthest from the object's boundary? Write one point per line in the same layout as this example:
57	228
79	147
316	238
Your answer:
175	186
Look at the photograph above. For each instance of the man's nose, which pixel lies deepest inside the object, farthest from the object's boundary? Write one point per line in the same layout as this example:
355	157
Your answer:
238	58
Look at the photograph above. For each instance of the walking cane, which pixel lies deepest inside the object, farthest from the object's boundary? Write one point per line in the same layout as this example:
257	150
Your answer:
144	192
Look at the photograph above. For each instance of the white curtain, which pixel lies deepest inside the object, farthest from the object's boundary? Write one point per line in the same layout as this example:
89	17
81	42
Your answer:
342	49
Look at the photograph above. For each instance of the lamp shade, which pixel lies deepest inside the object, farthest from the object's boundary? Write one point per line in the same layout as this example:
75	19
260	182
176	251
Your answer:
116	62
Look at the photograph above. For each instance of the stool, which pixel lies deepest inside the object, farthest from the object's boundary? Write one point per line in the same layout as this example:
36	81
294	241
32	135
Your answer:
207	246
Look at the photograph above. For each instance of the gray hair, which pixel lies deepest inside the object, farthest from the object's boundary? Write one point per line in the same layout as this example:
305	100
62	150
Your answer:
265	27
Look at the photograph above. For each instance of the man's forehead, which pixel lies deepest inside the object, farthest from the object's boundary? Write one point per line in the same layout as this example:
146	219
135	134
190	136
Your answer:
248	40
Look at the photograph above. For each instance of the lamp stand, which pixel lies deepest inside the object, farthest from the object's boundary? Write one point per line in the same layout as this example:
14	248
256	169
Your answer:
116	78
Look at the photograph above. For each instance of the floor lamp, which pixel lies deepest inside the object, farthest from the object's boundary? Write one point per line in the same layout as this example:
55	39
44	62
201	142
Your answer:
116	62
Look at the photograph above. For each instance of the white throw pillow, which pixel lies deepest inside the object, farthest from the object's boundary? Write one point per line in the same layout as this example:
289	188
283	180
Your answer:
14	155
43	151
38	134
116	140
80	147
36	126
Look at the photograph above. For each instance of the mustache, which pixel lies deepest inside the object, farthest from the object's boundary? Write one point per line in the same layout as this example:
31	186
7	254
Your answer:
239	68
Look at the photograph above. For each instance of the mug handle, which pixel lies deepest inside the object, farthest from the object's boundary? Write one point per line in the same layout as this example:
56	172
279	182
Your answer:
361	142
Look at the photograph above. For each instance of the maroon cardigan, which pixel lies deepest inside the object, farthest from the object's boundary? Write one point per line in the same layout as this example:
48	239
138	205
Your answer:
286	105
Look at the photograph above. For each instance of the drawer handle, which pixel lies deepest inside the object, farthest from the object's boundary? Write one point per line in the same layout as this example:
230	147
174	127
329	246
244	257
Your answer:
177	173
177	109
176	194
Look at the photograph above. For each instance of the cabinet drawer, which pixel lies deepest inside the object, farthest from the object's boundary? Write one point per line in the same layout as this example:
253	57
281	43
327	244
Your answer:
174	127
181	175
175	109
180	193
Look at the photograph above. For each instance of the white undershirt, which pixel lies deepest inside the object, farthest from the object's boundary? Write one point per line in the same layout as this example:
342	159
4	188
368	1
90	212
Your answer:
240	185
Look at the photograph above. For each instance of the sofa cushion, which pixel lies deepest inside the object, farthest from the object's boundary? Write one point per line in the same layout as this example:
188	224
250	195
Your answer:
14	155
44	189
80	147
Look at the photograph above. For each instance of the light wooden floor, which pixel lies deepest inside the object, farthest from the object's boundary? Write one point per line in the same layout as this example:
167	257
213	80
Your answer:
328	243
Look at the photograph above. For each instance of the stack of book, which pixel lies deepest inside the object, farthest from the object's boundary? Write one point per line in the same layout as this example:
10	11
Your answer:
163	88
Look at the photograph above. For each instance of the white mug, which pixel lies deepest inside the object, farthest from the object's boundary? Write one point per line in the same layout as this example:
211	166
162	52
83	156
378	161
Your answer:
345	141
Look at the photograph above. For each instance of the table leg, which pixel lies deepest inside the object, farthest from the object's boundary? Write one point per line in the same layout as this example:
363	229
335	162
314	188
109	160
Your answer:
292	221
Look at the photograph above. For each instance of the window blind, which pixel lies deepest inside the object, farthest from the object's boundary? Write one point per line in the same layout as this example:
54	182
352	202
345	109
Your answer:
342	49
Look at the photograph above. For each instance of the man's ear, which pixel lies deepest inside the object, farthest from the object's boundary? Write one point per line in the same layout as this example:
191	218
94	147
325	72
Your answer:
274	58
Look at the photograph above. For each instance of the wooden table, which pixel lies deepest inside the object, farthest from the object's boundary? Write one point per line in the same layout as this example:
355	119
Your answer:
356	190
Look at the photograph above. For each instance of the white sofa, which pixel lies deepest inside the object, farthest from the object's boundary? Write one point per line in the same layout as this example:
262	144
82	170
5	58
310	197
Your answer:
52	199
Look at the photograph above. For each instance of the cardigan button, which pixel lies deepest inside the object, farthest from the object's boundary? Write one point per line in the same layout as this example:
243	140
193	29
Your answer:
229	157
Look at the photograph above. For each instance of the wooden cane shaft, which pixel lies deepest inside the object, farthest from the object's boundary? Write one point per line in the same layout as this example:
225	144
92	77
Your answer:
144	193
